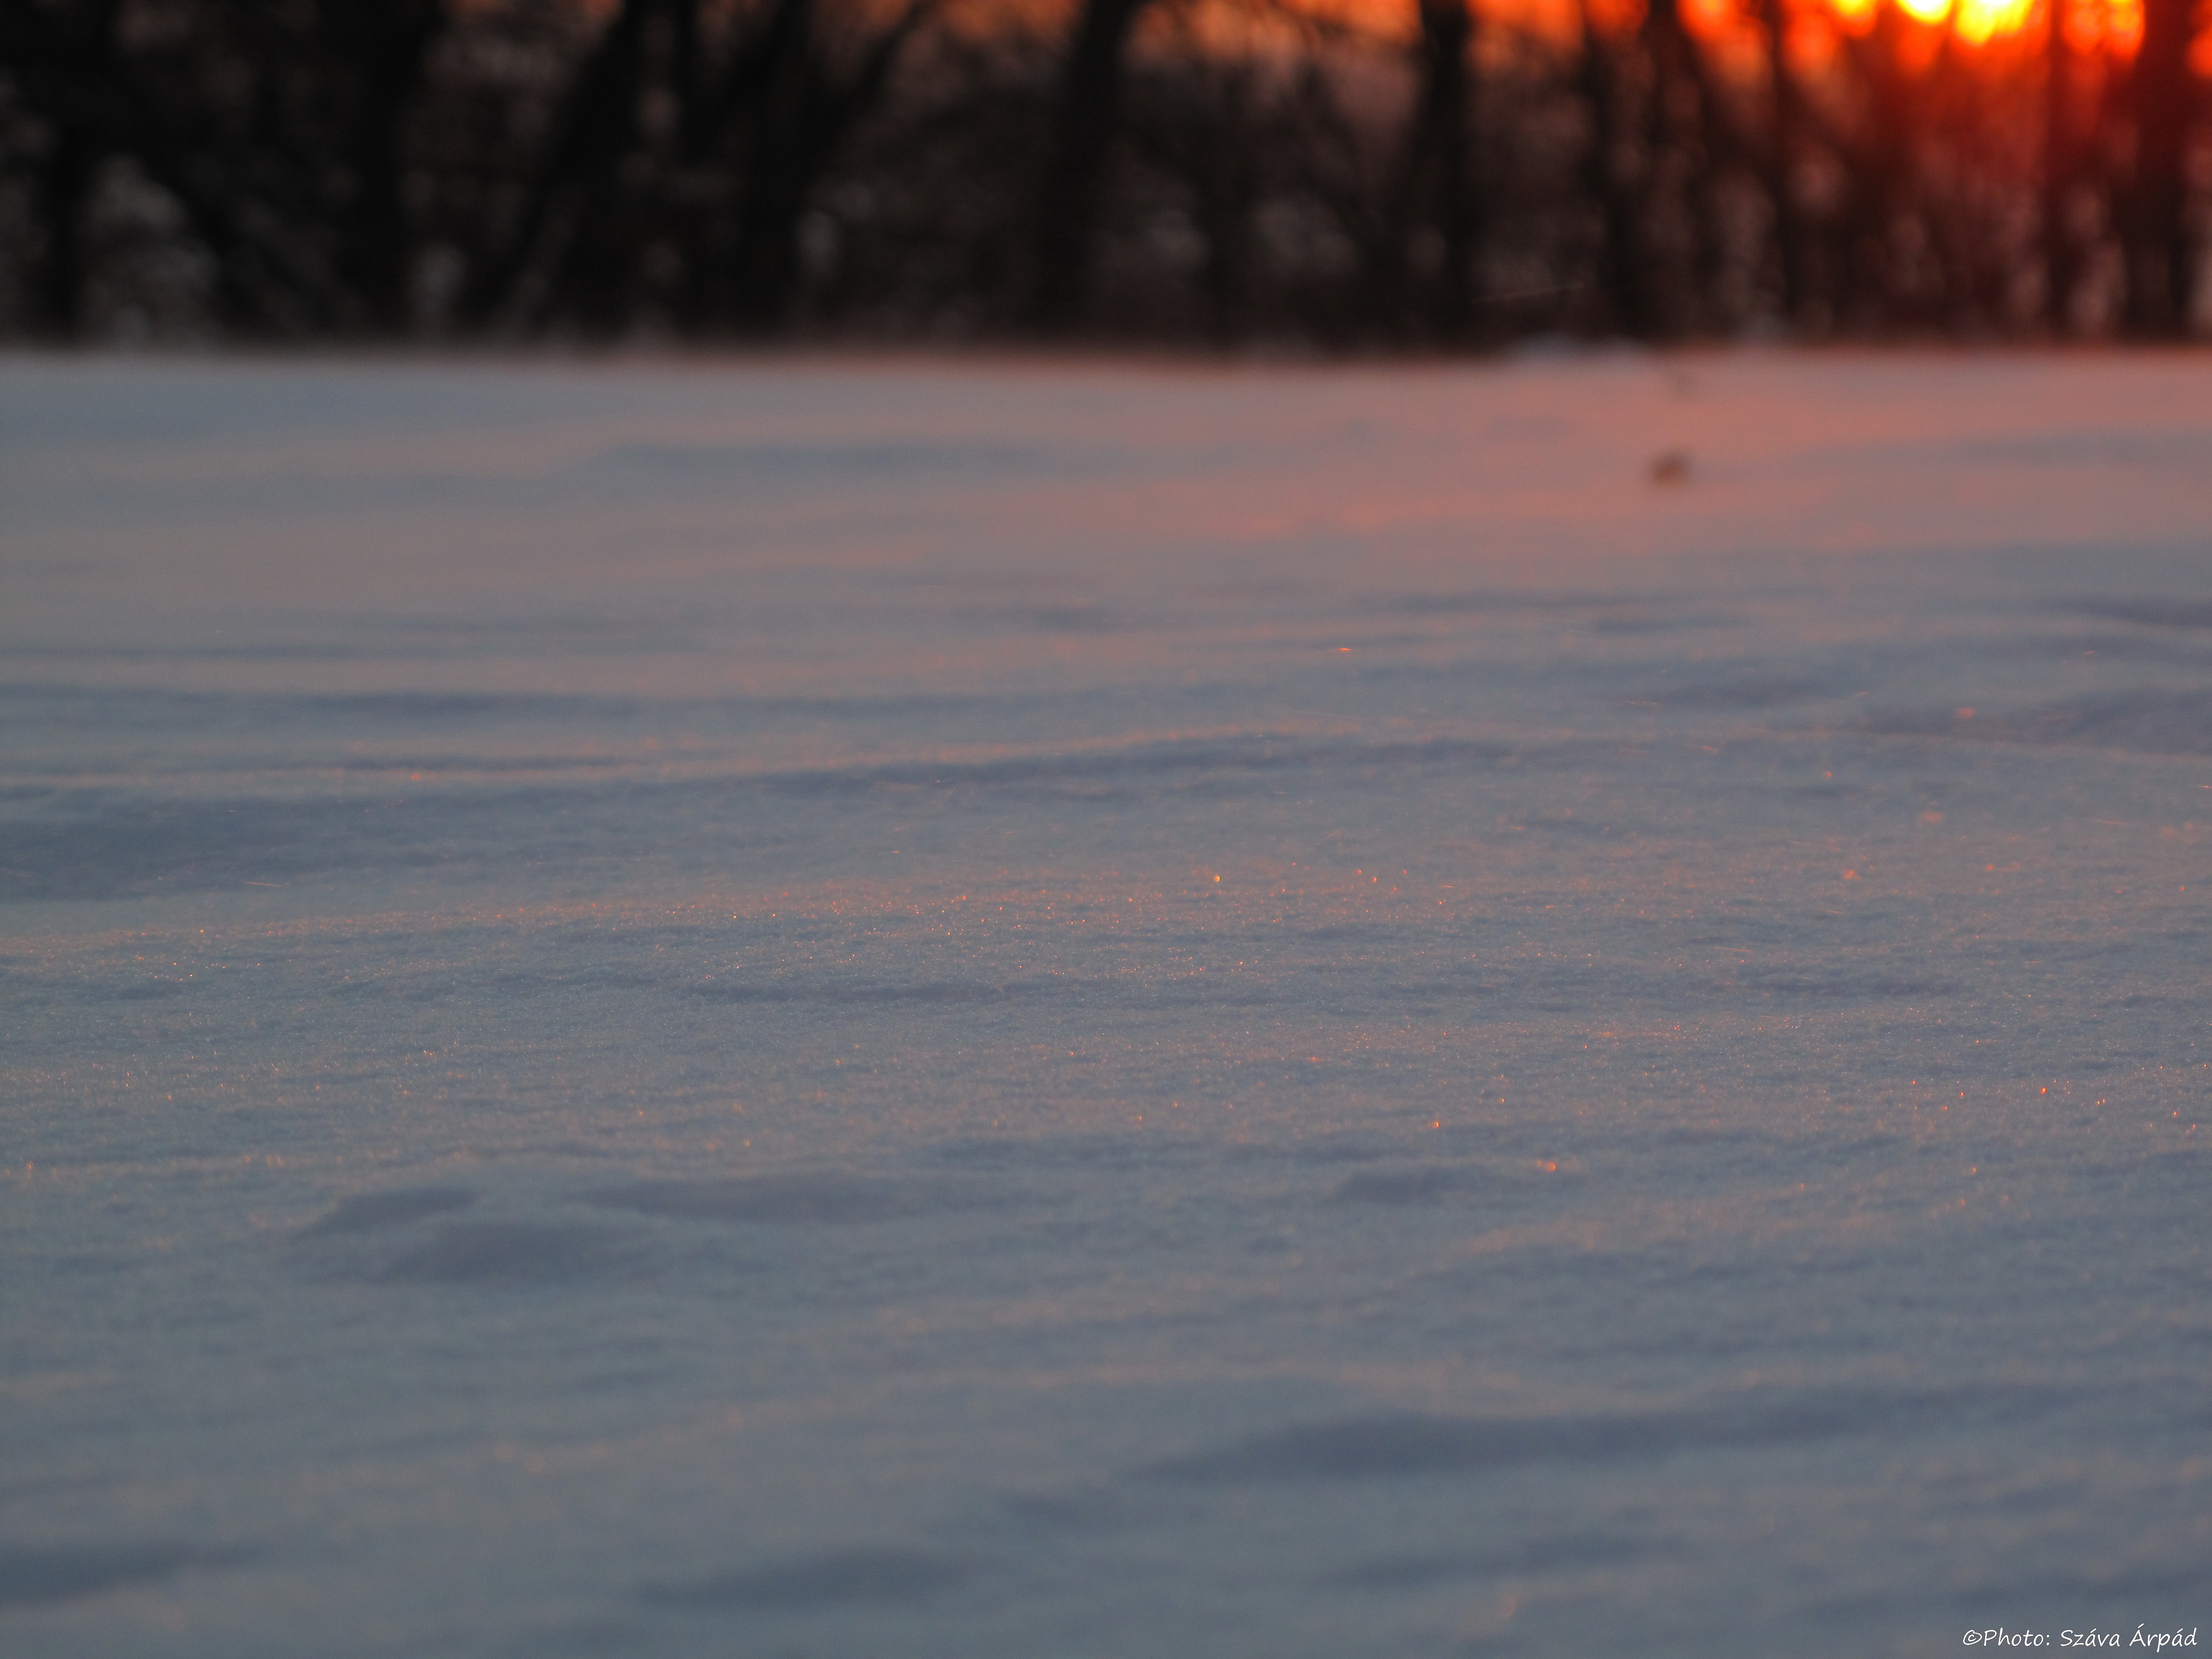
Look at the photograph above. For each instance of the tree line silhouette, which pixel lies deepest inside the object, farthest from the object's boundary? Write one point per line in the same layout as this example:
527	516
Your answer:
1220	172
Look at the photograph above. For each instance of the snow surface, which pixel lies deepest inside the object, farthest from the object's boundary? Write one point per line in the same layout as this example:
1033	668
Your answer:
794	1008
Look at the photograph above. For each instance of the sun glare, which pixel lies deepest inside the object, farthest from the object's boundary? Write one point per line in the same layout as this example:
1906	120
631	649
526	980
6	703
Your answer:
1708	16
2093	27
1976	20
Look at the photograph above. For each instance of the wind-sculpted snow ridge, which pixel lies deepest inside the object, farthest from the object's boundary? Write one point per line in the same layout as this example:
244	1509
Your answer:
45	1574
833	1579
506	1253
1008	1011
372	1212
2159	722
794	1197
2148	612
1414	1446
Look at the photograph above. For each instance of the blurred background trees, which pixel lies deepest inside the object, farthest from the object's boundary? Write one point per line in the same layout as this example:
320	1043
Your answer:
1332	174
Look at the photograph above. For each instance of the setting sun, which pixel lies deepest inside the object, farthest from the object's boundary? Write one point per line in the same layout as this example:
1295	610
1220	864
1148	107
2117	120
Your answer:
1976	20
2092	27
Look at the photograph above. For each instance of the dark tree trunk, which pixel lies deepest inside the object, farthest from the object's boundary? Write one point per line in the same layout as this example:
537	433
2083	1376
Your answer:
387	46
65	190
785	106
1787	140
687	80
1230	183
1669	191
801	116
1442	137
1881	173
2057	175
1083	130
2159	259
58	62
595	128
1621	274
